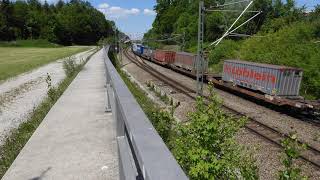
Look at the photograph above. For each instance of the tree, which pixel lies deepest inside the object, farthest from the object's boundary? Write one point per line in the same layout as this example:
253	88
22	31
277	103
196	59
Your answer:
205	147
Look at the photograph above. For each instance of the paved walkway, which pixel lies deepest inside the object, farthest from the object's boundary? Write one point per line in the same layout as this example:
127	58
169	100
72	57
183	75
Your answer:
77	139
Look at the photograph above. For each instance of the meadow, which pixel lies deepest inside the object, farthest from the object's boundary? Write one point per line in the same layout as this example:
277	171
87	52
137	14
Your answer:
17	60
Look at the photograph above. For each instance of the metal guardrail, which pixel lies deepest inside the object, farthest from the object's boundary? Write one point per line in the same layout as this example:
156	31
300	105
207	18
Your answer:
142	152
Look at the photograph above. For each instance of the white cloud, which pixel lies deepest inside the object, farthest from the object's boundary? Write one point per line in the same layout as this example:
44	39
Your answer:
103	6
115	12
149	12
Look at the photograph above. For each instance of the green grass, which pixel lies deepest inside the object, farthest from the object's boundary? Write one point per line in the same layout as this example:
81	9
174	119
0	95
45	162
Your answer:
14	60
41	43
20	136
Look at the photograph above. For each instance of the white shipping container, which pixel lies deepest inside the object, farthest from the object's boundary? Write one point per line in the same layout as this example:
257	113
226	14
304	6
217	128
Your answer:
270	79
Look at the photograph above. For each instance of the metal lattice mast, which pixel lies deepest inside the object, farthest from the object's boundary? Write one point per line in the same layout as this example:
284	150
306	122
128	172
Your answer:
200	54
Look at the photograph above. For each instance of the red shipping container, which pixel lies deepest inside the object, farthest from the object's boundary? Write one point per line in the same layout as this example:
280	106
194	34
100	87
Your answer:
164	57
186	61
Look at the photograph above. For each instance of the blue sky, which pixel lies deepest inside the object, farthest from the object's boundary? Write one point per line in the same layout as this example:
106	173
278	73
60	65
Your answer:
134	17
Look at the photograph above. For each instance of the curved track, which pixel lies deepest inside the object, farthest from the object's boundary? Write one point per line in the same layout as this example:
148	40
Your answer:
311	155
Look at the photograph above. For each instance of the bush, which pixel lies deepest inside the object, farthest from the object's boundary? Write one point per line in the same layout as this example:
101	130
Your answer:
292	151
52	91
70	66
205	147
163	122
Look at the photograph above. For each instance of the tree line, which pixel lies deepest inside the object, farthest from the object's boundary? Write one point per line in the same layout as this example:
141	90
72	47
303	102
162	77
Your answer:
181	17
75	22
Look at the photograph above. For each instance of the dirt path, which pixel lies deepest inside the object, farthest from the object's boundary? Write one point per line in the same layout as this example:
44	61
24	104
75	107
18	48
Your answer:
21	94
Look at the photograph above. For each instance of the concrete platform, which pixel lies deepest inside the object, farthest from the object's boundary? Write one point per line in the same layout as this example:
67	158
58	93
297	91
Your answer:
77	139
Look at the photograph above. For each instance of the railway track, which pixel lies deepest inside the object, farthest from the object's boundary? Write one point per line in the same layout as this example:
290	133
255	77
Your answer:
311	155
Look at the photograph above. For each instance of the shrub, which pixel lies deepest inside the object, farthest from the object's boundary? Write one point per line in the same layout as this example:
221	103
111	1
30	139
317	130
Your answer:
163	122
292	151
52	91
205	147
70	66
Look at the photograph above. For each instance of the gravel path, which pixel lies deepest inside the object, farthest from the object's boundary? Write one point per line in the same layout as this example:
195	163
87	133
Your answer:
21	94
267	154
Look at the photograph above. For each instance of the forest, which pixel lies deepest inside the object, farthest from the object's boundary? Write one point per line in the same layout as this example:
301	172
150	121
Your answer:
282	34
74	22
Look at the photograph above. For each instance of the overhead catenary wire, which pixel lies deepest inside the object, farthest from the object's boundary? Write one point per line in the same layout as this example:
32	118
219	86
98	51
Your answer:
226	33
214	43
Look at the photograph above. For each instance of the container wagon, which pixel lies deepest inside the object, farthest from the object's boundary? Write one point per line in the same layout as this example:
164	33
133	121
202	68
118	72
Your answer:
277	85
163	57
270	79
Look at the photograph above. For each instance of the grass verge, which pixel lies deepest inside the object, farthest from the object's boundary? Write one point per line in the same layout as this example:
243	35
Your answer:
20	136
16	60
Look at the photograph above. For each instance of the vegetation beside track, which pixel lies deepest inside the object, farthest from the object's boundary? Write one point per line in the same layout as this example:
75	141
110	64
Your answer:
20	136
205	147
16	60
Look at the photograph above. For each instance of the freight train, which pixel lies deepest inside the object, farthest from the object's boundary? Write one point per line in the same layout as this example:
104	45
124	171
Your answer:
278	85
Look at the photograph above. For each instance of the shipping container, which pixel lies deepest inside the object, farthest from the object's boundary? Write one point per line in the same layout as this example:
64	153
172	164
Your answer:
147	52
270	79
164	57
185	61
140	48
